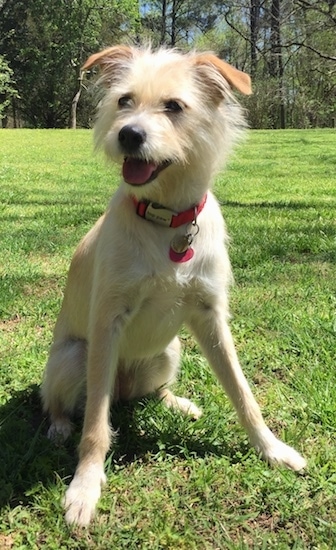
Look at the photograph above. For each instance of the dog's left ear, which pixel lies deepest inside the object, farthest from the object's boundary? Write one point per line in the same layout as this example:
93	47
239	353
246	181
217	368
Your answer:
209	62
108	56
110	61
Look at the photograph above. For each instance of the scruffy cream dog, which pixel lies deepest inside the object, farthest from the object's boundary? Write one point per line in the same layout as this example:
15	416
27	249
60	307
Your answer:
154	261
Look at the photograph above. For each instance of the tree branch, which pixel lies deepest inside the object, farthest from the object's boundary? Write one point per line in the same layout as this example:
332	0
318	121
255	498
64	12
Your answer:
314	50
317	7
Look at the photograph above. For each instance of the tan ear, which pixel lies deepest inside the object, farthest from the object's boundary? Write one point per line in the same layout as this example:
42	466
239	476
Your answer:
108	57
237	79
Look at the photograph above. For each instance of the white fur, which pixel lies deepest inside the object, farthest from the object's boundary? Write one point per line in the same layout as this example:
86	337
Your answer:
125	299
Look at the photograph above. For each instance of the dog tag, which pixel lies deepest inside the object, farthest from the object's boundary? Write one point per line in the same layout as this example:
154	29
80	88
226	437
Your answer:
181	243
159	214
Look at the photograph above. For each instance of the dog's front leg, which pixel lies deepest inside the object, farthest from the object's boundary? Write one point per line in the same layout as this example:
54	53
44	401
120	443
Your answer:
84	490
210	327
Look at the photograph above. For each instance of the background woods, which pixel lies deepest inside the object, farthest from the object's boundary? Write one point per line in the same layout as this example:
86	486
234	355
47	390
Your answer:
288	46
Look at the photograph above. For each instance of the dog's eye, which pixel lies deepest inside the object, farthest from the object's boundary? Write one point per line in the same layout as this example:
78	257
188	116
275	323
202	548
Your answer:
124	101
172	106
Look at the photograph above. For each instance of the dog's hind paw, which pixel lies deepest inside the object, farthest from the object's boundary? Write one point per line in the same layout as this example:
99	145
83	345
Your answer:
60	430
82	496
180	404
188	407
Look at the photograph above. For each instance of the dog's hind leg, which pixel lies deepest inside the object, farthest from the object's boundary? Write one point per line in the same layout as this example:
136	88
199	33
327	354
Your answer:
157	374
63	384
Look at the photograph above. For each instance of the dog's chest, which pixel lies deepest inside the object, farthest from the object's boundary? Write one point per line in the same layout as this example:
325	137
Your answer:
161	310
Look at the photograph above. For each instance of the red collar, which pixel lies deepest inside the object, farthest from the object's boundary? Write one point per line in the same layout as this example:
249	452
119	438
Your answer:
161	215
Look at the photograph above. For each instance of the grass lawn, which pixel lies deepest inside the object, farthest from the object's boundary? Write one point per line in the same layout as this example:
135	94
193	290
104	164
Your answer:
173	483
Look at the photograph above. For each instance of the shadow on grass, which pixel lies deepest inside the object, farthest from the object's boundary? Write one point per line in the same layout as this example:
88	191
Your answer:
146	428
26	456
282	205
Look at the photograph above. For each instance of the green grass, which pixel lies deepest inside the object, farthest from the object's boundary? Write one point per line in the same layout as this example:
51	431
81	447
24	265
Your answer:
173	483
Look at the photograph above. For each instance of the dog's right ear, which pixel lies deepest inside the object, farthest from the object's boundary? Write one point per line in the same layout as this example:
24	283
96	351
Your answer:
110	61
212	68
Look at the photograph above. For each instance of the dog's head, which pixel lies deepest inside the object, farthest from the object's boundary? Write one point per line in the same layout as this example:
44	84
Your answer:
164	111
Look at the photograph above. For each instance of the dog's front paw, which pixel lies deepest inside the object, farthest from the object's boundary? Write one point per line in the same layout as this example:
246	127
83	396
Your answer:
283	455
274	451
82	496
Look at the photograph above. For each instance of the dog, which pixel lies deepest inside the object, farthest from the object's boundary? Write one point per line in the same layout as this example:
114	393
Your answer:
156	260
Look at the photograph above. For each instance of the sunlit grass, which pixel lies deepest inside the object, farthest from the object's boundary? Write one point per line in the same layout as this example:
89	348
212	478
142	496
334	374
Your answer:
173	483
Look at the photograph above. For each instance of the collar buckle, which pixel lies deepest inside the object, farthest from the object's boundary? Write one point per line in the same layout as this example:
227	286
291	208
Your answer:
159	214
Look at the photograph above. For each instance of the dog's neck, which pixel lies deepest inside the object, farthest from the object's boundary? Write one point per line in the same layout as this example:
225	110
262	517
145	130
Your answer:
180	250
161	215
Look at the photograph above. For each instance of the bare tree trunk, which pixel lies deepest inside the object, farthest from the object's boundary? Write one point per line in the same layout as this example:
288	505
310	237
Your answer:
173	24
276	62
254	24
15	120
282	94
74	104
163	21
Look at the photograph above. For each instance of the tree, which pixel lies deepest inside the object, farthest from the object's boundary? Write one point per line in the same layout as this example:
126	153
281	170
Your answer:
7	88
288	47
276	68
47	42
292	46
255	9
177	22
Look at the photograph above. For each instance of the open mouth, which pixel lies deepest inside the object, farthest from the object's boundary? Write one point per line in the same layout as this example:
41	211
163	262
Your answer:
139	172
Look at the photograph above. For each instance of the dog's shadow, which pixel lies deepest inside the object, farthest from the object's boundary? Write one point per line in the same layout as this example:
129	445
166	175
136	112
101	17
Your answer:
28	458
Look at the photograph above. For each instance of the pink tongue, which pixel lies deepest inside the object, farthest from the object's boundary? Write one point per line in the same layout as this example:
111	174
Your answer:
136	171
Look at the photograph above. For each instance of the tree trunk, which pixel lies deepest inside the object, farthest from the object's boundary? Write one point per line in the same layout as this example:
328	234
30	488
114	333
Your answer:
173	24
163	21
282	94
276	62
15	120
74	104
254	25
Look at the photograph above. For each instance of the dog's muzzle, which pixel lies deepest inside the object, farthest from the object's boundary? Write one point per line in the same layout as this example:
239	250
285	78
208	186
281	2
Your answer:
136	170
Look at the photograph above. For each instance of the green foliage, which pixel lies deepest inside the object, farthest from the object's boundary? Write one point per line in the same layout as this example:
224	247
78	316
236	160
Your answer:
7	87
304	89
287	47
173	483
178	23
47	42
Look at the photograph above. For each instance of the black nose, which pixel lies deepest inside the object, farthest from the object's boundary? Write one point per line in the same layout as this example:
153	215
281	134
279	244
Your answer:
131	137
